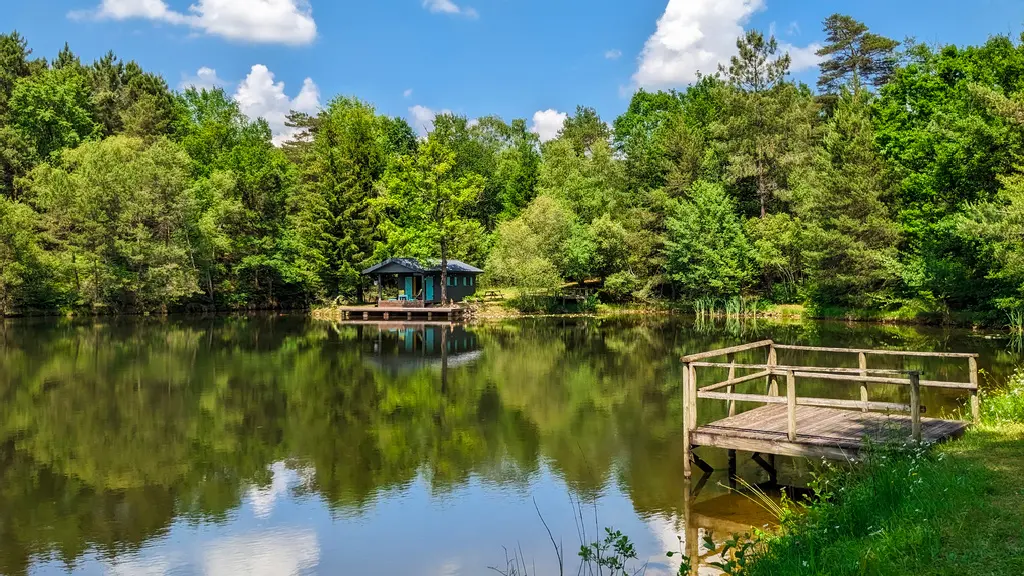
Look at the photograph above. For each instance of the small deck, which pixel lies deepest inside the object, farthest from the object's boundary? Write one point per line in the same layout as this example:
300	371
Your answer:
428	313
829	432
798	425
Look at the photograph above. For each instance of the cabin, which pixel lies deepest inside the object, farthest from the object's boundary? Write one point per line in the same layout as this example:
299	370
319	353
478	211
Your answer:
419	283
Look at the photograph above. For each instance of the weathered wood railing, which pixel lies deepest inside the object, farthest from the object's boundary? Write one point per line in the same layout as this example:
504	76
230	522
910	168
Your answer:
772	370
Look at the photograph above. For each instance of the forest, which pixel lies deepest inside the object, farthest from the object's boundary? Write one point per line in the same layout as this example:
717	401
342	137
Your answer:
895	186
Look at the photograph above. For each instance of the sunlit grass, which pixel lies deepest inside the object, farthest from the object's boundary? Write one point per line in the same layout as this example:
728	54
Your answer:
956	509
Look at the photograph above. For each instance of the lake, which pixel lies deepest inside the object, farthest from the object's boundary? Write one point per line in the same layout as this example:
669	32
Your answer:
286	445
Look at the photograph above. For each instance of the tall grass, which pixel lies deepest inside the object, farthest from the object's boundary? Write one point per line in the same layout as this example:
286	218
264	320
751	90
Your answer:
956	509
1015	316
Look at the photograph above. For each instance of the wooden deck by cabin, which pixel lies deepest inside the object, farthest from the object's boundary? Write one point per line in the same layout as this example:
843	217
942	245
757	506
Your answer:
408	313
795	425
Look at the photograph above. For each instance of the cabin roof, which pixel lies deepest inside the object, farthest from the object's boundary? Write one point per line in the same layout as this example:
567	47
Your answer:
395	265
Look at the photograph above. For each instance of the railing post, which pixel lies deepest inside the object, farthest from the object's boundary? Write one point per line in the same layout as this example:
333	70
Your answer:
975	400
863	359
791	404
686	421
915	406
731	358
773	360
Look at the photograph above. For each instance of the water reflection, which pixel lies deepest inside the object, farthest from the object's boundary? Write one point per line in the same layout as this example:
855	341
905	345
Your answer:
182	446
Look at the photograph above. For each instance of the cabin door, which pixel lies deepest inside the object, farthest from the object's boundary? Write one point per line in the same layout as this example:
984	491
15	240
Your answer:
429	290
408	288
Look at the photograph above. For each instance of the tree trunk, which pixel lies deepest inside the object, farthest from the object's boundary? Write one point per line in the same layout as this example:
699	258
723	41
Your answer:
444	271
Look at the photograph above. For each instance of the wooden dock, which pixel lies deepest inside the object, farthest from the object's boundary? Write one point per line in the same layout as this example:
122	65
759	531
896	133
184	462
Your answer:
794	425
377	313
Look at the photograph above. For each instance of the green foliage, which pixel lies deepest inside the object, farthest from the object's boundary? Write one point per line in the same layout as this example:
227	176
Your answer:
854	55
53	110
851	240
124	217
707	250
896	191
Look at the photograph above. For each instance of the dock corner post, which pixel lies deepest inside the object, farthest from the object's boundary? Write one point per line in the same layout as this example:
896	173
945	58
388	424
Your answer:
731	358
686	423
863	360
791	404
773	360
915	406
975	400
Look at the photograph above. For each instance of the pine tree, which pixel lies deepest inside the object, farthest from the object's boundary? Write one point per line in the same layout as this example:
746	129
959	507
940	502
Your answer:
851	237
854	55
766	131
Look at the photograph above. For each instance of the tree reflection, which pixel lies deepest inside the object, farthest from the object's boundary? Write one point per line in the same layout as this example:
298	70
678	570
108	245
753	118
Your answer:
111	431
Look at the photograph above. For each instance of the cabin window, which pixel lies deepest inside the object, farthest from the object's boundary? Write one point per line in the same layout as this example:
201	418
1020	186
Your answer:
471	280
465	280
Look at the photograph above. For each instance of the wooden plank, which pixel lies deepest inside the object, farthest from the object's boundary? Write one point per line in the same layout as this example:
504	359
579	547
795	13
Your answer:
863	361
878	352
915	405
761	398
686	421
732	376
851	378
724	351
733	381
773	360
783	368
975	400
791	404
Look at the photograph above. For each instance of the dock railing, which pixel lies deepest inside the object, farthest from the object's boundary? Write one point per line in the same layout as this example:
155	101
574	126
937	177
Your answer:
771	370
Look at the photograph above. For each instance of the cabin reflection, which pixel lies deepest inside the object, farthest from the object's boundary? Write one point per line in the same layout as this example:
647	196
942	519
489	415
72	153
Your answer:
413	346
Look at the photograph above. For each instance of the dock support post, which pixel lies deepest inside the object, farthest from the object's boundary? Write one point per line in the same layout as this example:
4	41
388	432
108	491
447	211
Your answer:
863	360
791	404
408	315
366	315
773	360
915	406
430	316
769	466
387	316
732	469
690	545
731	358
975	401
686	423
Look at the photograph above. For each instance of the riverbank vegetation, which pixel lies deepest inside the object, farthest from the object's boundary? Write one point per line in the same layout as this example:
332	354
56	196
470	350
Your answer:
955	509
893	189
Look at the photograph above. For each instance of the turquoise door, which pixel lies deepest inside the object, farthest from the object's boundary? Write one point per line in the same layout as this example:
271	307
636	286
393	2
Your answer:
408	288
429	290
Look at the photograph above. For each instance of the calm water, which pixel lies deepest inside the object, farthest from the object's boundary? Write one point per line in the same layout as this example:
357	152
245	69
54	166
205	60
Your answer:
282	445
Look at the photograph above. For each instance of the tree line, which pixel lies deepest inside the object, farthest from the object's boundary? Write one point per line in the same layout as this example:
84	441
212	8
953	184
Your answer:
895	186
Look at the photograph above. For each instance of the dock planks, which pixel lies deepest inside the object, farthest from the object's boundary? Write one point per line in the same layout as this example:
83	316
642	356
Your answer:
821	432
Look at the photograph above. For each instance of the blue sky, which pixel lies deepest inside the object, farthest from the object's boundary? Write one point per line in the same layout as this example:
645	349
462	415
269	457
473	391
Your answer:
514	58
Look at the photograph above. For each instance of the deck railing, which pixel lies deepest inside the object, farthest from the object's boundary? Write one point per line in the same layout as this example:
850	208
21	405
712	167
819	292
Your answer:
771	370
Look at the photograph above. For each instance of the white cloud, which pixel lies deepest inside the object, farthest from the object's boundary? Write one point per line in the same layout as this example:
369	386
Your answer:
422	118
547	124
613	54
793	28
204	79
407	93
693	36
269	21
803	58
264	499
449	7
696	36
290	551
259	96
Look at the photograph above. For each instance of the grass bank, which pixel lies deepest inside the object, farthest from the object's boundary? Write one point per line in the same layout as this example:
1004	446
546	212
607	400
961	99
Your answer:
955	509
